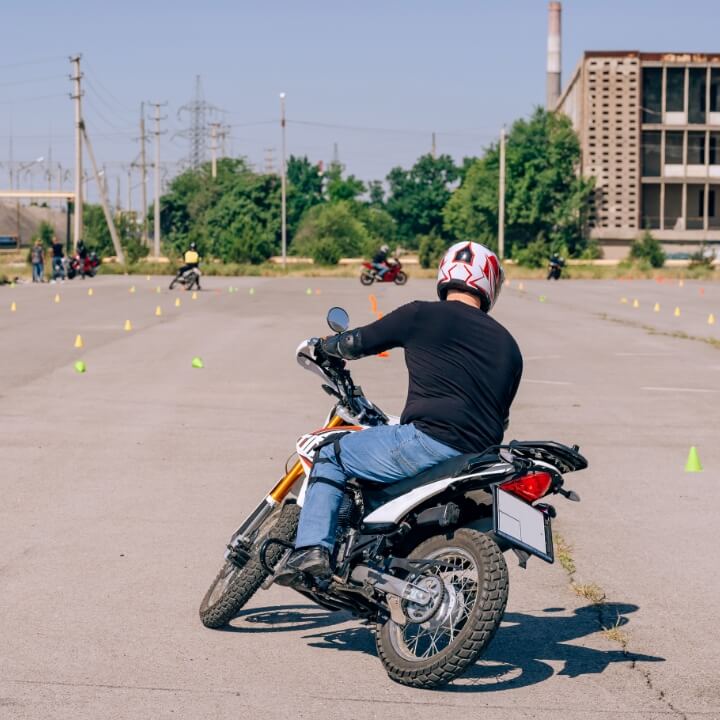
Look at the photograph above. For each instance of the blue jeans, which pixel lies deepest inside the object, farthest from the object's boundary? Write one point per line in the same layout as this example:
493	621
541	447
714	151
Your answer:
381	269
58	268
387	453
37	275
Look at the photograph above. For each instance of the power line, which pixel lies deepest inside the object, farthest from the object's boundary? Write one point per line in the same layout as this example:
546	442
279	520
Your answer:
32	99
33	62
32	80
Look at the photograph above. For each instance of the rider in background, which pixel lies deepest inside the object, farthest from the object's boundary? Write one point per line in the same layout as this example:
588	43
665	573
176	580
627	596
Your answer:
380	262
190	258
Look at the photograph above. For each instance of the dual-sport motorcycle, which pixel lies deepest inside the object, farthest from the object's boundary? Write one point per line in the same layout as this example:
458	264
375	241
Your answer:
395	273
420	560
189	278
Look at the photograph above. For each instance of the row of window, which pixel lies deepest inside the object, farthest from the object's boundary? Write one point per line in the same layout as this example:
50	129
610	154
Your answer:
664	211
681	148
703	92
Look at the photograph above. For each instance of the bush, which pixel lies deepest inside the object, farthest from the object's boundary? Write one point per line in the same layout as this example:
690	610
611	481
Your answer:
534	255
430	249
647	250
702	258
325	252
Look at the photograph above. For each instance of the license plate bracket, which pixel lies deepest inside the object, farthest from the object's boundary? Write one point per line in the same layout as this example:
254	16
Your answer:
522	524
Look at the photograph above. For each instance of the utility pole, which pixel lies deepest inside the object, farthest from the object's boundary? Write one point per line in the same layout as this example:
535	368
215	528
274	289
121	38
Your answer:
269	161
129	189
104	199
143	176
434	147
501	199
78	205
156	213
213	148
283	185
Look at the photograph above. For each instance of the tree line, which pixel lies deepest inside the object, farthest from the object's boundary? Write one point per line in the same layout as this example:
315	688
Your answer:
235	217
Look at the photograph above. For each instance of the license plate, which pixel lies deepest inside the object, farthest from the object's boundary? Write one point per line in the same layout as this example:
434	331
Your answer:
522	524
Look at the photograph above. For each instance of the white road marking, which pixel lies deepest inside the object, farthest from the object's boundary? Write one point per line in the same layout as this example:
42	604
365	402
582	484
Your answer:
679	389
644	354
547	382
544	357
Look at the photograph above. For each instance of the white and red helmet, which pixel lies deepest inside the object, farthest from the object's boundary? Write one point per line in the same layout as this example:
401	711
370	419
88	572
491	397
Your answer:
471	268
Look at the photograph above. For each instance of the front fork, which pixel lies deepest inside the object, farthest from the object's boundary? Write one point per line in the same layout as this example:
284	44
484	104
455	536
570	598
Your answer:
243	536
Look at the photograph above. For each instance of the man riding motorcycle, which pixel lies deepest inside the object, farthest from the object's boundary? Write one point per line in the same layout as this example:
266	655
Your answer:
464	370
380	262
191	259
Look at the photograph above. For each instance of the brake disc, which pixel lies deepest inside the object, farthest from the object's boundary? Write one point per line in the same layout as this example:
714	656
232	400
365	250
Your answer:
417	613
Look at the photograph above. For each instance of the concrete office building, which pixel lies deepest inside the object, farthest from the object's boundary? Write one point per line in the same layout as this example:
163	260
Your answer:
649	128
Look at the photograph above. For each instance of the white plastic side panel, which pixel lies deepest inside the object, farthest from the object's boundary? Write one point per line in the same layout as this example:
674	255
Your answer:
394	510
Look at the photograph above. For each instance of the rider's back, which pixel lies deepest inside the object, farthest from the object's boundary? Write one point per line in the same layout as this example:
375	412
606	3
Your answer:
464	370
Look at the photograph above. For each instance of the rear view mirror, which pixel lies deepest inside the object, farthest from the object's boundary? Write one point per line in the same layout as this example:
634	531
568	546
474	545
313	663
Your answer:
338	319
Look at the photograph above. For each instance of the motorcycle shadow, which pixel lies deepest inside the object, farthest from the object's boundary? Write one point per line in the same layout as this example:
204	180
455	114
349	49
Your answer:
520	654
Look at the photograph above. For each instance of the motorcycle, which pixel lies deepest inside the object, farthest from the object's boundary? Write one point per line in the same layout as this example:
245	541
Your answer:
84	267
395	274
555	268
189	278
422	560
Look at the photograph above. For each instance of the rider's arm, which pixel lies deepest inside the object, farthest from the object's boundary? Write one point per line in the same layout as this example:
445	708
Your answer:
390	331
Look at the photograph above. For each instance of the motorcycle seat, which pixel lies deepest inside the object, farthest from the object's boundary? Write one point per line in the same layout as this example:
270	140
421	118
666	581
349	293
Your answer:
377	493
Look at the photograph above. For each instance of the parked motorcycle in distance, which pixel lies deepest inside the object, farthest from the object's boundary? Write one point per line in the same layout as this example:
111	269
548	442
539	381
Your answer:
395	274
421	559
555	267
189	279
84	267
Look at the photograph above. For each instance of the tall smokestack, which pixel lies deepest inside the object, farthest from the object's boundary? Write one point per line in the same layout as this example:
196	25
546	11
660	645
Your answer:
553	56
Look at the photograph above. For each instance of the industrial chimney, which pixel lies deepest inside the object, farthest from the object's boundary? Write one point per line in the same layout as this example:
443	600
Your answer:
553	56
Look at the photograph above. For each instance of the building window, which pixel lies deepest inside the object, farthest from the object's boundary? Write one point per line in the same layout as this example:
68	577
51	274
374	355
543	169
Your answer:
651	154
674	147
696	148
652	94
675	90
714	149
714	207
695	207
651	207
697	88
672	217
715	90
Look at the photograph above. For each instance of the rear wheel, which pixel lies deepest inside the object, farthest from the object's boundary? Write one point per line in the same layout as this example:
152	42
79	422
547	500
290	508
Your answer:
367	278
234	585
400	278
436	650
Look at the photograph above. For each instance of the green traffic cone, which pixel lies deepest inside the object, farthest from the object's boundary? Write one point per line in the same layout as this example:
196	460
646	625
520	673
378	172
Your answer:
80	366
693	461
197	363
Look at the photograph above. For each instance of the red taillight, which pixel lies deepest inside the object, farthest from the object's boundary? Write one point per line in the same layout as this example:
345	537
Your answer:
529	487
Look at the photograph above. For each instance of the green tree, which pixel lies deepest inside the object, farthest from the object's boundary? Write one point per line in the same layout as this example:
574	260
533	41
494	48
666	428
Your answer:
418	196
331	231
430	249
339	188
376	193
546	201
96	233
44	234
648	250
305	190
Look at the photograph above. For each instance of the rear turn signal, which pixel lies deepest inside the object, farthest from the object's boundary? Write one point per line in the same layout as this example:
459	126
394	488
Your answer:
529	487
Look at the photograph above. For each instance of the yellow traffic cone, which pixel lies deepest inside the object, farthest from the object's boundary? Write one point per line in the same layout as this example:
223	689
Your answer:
677	312
157	289
521	286
657	307
57	298
711	319
90	291
177	302
132	289
128	326
681	283
13	306
78	341
693	462
148	277
193	296
623	300
636	304
158	311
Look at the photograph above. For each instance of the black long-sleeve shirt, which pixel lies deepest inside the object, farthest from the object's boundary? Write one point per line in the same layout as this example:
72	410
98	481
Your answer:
464	370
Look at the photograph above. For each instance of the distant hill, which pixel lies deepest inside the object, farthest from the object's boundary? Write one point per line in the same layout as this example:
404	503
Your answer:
30	218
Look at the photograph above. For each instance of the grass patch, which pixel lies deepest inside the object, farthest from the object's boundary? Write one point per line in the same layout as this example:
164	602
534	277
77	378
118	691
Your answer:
679	334
592	592
563	553
615	633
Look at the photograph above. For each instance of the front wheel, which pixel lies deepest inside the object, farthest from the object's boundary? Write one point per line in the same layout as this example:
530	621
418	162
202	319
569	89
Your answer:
400	278
367	278
234	585
173	283
433	652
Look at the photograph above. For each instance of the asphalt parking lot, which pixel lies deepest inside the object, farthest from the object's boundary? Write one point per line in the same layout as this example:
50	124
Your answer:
120	487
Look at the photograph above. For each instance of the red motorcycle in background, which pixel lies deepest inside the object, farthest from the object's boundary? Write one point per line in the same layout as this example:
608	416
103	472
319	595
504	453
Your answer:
84	267
394	274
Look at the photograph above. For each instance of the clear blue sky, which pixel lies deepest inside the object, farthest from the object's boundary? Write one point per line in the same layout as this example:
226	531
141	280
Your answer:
397	68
